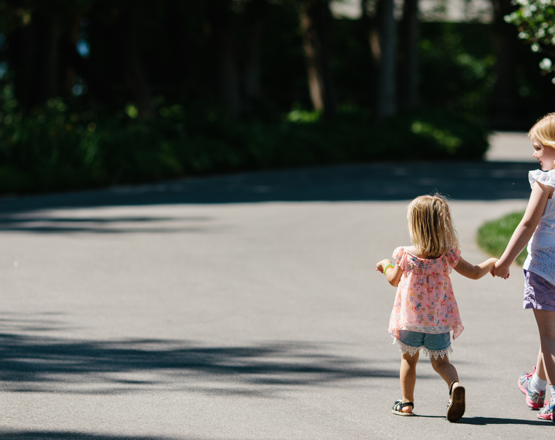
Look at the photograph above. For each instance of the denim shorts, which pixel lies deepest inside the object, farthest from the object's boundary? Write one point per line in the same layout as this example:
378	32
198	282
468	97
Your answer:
435	345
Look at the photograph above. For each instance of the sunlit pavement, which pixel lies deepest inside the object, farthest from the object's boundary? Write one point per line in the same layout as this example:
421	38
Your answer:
247	307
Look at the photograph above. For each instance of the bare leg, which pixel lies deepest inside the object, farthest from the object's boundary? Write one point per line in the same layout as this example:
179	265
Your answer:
448	372
546	327
445	369
540	369
408	378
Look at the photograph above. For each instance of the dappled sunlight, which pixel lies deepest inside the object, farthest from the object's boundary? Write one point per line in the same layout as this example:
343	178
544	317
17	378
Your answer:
49	222
369	182
32	361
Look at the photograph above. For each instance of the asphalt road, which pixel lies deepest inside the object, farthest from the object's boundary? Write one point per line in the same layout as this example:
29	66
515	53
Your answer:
247	307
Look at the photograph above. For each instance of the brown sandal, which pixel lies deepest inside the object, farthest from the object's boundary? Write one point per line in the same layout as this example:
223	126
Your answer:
457	406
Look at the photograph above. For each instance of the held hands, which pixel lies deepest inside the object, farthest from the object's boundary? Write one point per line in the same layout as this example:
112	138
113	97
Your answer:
501	270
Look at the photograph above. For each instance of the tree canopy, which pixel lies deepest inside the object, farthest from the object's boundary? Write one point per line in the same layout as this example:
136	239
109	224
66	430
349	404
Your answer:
535	21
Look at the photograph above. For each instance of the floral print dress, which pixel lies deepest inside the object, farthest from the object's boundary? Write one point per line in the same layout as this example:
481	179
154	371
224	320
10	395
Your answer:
425	301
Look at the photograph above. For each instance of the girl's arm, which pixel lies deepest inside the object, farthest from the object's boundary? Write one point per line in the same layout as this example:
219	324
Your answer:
393	274
523	232
475	272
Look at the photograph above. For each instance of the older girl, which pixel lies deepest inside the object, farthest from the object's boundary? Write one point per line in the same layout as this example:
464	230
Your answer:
537	228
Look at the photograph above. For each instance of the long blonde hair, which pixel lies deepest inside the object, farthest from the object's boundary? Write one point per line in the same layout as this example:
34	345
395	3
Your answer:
544	130
430	226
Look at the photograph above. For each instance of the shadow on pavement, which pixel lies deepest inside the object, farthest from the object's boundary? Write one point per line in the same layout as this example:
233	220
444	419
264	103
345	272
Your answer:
40	363
25	222
482	421
70	435
378	181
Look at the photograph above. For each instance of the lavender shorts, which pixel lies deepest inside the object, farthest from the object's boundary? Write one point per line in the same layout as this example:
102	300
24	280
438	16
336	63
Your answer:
538	292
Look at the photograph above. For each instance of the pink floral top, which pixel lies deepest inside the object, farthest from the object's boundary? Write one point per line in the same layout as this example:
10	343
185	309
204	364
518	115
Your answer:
425	302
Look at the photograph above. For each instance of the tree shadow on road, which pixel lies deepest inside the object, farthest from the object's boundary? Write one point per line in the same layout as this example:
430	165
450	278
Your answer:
44	224
480	181
39	363
363	182
71	435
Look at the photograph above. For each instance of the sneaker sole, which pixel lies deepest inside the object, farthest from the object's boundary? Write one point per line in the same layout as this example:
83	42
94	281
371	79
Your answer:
546	417
456	408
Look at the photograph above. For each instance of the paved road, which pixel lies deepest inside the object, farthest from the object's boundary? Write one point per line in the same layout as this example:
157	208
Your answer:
246	307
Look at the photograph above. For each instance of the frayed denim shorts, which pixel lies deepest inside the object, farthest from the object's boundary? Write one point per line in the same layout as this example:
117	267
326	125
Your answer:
433	345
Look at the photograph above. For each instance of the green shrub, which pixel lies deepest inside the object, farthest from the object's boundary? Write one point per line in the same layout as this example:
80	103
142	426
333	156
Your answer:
55	149
493	237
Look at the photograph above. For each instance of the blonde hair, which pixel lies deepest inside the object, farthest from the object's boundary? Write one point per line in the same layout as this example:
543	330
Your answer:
544	130
430	226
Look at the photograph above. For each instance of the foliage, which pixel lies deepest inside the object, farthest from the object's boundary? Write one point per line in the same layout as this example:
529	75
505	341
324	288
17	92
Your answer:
536	25
493	237
56	148
146	100
457	67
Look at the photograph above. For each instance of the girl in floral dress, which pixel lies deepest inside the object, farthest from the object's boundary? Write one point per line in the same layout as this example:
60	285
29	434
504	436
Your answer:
425	310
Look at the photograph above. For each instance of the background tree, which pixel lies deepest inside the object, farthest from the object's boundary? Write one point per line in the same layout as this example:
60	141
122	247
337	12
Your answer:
386	103
96	92
409	54
314	18
536	25
504	102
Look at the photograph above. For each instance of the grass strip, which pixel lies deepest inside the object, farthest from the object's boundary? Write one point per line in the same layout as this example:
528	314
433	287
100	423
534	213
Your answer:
493	236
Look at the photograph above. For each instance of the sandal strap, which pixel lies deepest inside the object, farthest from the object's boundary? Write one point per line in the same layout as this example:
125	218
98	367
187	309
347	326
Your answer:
400	405
451	386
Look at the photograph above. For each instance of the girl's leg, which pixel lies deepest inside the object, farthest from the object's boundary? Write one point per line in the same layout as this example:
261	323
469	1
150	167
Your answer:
533	385
445	369
546	326
448	372
540	369
408	378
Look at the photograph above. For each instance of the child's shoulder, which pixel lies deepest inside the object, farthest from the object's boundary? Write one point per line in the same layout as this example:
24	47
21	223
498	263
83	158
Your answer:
400	253
544	177
400	250
452	255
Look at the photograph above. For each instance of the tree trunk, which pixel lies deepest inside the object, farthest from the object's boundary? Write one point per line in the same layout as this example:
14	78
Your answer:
315	85
229	73
387	28
409	45
69	39
134	72
23	59
255	20
369	34
51	56
226	60
314	20
504	105
174	21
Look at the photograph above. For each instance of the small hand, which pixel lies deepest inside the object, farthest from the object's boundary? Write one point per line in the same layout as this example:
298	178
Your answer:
499	270
381	264
492	261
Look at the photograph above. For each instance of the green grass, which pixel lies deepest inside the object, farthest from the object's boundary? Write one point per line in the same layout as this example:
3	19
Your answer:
494	236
